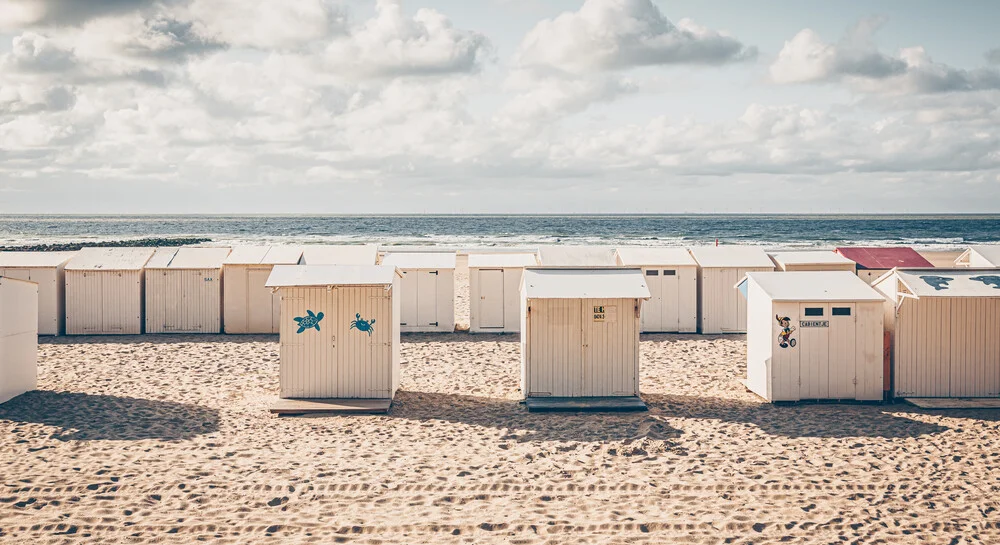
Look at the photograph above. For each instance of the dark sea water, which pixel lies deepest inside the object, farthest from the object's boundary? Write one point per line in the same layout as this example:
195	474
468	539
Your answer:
772	231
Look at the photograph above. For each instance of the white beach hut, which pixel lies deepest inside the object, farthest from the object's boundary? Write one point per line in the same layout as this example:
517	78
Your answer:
494	291
577	256
248	306
339	254
47	270
812	261
813	335
104	291
580	338
18	337
721	309
944	326
184	290
672	277
980	256
428	290
339	335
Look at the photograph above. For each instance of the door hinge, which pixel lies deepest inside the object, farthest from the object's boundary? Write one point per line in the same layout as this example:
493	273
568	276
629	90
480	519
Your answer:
433	324
434	273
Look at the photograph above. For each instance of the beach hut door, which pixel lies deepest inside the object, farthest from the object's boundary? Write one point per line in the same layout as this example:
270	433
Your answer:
491	298
652	311
843	351
814	351
260	303
427	296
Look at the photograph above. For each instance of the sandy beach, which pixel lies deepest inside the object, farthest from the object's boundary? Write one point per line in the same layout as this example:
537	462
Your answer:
168	439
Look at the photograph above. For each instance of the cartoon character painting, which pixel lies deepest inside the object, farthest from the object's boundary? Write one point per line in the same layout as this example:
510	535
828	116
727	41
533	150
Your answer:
785	335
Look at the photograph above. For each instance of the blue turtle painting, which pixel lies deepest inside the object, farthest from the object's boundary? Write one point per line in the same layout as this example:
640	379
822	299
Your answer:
939	283
363	325
309	321
989	280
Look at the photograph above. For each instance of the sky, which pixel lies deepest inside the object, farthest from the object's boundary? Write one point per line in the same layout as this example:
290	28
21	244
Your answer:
499	106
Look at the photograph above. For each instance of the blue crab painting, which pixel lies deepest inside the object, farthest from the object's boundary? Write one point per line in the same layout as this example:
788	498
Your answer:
363	325
989	280
309	321
939	283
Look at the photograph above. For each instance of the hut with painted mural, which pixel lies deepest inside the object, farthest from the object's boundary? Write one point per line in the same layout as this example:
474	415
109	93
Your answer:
18	337
943	326
672	278
105	291
813	335
249	306
339	331
812	261
184	290
980	257
495	291
339	254
47	269
872	263
428	290
580	336
577	256
721	308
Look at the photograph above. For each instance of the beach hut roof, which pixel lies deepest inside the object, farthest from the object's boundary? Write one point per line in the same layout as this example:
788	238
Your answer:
812	286
947	282
885	258
810	258
415	260
34	259
330	275
637	256
717	257
584	284
110	259
340	254
990	253
188	258
480	261
264	255
577	256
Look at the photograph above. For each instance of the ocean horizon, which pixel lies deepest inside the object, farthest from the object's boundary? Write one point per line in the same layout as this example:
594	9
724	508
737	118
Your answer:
773	231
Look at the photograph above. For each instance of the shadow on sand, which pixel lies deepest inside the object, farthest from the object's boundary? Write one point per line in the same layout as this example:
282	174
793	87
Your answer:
84	417
795	421
522	426
802	420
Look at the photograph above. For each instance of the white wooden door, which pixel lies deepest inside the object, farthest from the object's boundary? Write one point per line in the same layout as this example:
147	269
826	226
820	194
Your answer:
491	298
89	318
843	351
814	351
555	365
260	303
427	297
363	342
116	312
609	347
652	310
670	320
408	293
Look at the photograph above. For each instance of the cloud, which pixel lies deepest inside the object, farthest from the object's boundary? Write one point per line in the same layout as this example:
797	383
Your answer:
266	24
855	60
19	14
606	35
392	44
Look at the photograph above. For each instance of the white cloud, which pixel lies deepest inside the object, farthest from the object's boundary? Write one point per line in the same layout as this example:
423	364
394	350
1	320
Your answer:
855	60
392	44
618	34
267	24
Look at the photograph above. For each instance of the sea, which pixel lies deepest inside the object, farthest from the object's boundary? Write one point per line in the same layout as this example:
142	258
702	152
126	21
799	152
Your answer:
469	231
